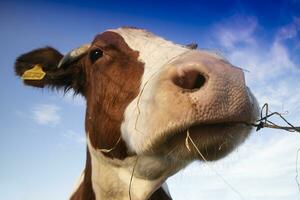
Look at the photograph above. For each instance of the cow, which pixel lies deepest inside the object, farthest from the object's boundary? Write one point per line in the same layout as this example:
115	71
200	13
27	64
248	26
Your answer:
144	96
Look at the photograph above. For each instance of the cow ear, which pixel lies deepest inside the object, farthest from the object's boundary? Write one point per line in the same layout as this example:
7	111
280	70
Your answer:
39	68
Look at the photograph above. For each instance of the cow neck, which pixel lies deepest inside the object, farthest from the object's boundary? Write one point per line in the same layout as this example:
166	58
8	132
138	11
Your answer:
109	179
112	178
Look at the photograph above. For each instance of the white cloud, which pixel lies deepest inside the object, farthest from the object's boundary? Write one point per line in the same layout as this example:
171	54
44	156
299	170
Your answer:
290	30
272	74
75	136
236	30
76	100
46	114
237	38
264	64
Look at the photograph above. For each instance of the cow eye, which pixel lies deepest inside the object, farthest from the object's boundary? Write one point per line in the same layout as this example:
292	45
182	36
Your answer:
95	55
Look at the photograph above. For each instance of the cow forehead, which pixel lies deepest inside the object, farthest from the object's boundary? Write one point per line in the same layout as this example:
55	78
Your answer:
153	50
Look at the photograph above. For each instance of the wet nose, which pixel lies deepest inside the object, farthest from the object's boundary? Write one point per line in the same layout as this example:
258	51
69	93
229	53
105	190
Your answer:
195	70
189	77
215	87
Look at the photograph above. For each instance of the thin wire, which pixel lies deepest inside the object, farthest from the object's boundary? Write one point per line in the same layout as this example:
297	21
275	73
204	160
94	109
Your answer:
297	173
264	121
111	149
131	178
189	139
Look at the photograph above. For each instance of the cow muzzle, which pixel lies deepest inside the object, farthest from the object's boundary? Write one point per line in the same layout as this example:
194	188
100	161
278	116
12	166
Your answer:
204	94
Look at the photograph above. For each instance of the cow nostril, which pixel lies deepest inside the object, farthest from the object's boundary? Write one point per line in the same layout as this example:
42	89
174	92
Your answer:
189	80
199	82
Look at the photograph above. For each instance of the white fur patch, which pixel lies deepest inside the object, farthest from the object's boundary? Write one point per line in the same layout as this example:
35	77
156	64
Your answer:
111	177
155	52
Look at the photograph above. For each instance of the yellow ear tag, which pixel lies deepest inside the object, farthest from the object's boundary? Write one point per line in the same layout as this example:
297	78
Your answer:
35	73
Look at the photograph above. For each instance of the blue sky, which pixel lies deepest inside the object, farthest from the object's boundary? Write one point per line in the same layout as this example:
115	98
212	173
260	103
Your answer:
42	149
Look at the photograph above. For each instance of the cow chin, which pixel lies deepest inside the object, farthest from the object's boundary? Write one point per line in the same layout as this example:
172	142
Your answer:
207	142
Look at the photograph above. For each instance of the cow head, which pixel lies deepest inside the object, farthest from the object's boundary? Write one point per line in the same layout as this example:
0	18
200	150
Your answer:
144	94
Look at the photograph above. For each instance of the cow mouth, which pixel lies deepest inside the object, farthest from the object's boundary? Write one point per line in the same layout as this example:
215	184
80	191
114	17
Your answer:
214	141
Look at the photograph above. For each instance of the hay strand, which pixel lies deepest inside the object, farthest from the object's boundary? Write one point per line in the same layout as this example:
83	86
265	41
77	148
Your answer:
131	177
111	149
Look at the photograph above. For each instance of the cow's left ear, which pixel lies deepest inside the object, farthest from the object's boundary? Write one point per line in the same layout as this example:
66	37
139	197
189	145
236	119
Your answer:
40	68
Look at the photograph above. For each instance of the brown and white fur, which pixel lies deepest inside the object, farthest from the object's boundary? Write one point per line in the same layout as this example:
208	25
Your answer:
142	94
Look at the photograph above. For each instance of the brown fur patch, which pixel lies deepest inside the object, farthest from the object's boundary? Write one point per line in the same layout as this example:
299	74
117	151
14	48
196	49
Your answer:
159	194
113	81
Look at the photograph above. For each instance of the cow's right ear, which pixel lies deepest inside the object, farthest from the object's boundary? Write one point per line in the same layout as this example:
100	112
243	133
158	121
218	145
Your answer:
40	68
